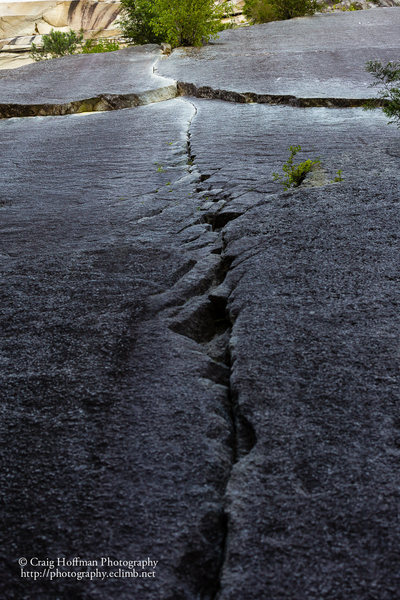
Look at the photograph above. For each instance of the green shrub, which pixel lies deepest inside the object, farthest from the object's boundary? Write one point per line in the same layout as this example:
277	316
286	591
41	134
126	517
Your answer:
294	175
178	22
264	11
387	76
259	11
187	22
97	46
56	44
136	22
59	43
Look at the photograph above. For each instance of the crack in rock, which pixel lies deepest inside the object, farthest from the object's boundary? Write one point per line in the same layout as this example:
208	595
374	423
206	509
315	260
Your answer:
101	103
109	102
197	308
209	93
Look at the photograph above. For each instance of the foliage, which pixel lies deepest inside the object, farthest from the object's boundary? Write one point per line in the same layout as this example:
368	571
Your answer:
56	44
177	22
352	7
228	13
259	11
293	175
387	76
187	22
338	177
264	11
96	46
136	22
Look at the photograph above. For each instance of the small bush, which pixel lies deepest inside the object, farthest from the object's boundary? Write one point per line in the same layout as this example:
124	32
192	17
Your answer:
59	43
259	11
96	46
388	77
136	22
264	11
56	44
187	22
294	175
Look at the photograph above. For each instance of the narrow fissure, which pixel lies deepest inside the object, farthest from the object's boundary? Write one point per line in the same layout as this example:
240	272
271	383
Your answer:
190	156
209	93
209	323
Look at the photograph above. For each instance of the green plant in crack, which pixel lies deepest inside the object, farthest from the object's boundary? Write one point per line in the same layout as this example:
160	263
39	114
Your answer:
294	174
338	177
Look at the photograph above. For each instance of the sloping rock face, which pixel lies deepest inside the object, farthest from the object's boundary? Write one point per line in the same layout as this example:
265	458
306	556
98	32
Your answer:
199	384
322	56
85	83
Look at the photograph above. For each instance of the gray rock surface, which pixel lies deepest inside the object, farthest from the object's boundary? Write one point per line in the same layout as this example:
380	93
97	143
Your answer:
314	302
197	367
102	400
128	71
322	56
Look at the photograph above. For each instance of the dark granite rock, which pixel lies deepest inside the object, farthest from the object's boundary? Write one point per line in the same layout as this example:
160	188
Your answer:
314	300
115	428
197	367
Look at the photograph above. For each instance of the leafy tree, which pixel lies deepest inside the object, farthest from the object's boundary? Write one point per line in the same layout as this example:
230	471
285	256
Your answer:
187	22
179	22
56	44
388	76
136	22
264	11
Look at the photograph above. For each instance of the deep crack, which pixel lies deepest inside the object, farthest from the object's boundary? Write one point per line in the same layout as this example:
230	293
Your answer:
206	319
190	156
209	93
110	102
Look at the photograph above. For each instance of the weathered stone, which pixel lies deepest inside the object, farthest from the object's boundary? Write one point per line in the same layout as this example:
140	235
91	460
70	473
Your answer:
12	60
27	18
87	240
198	367
319	57
127	73
166	48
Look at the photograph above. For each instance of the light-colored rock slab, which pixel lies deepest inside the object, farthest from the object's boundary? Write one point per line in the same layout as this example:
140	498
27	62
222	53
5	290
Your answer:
12	60
28	18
